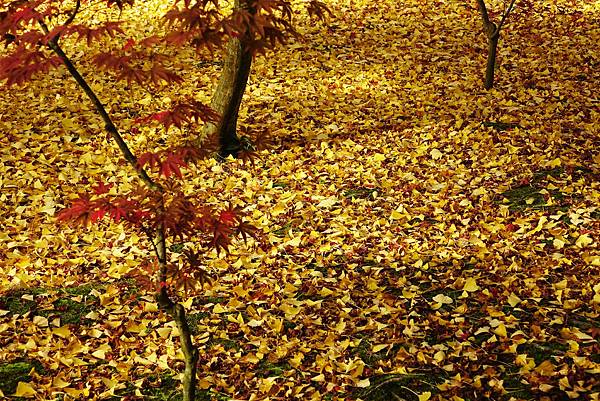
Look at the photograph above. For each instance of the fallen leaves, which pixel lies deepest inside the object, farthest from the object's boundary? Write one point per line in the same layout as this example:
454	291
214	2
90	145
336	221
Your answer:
414	223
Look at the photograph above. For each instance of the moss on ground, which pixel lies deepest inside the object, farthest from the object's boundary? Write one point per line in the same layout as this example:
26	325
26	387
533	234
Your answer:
70	311
165	387
71	304
14	302
360	193
394	386
11	373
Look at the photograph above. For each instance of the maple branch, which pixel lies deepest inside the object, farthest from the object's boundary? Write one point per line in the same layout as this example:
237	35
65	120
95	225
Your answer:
190	352
109	125
177	312
160	247
72	16
489	27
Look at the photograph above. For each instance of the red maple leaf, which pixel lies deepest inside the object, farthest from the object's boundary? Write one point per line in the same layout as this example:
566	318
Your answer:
148	158
97	215
221	237
128	44
102	188
227	217
78	212
246	230
172	165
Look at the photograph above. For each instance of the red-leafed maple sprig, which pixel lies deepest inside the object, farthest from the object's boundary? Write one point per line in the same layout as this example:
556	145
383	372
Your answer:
90	34
183	112
91	209
181	216
170	162
126	69
20	66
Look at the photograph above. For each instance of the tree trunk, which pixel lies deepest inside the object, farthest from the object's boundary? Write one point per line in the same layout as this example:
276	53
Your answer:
177	313
492	31
190	353
491	61
228	95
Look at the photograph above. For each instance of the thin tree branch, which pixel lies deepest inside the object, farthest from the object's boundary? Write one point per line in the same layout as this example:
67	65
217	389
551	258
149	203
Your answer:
174	309
150	236
504	16
489	28
73	14
109	125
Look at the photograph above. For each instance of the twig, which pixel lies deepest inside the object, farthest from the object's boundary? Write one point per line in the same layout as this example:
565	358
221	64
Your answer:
72	16
504	16
406	388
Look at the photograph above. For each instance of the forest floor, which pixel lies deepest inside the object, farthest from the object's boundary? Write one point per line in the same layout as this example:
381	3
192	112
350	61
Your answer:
424	238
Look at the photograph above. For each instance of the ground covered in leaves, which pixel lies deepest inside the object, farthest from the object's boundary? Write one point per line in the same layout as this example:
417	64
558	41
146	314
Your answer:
425	239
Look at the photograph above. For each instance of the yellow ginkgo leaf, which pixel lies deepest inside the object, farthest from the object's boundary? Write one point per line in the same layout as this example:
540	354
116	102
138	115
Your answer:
63	332
443	299
425	396
500	330
513	300
318	378
363	383
59	382
470	285
24	390
378	347
219	309
396	215
583	241
378	157
294	242
100	354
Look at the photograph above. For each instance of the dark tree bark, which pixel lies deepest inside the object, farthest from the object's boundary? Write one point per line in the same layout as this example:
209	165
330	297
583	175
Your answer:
491	61
492	31
230	91
177	312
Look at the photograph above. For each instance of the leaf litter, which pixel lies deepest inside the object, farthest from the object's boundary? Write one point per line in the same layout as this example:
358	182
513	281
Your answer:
397	250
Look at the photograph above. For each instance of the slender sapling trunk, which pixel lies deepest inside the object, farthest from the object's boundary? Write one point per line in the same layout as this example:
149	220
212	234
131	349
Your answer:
177	312
229	93
492	32
491	60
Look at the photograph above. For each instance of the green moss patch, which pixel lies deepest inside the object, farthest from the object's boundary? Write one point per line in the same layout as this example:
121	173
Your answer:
500	126
11	373
524	197
398	387
364	351
16	302
70	311
268	369
70	304
360	193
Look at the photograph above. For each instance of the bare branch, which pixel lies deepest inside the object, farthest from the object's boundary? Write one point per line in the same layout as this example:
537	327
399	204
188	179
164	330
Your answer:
73	14
504	16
